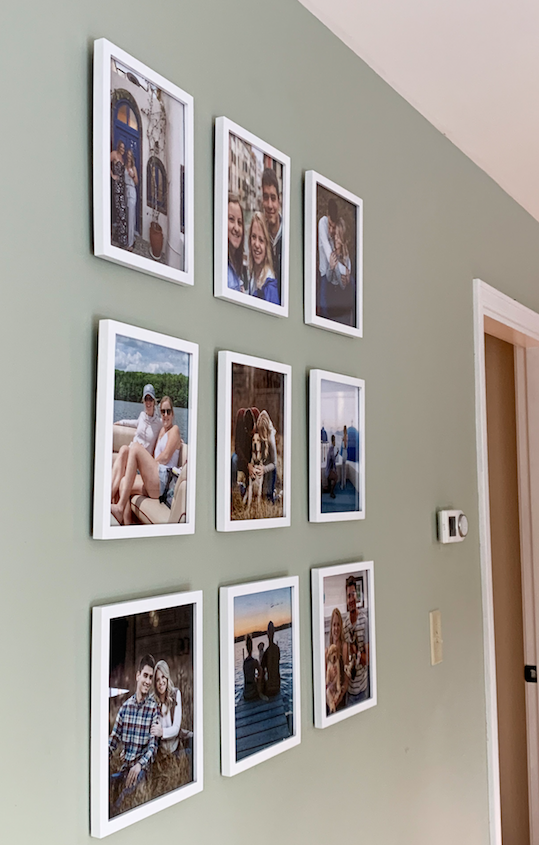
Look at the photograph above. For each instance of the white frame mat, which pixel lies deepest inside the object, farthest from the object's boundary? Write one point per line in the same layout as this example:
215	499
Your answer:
229	765
321	719
101	824
224	423
102	528
312	180
315	425
104	51
223	128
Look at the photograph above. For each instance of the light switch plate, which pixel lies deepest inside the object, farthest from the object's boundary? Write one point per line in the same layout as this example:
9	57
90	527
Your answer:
436	642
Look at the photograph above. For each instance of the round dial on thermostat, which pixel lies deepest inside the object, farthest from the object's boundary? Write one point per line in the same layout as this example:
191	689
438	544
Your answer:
463	525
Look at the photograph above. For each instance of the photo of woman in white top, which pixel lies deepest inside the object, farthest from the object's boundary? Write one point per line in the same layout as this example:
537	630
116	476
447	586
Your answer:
148	425
131	184
169	700
157	480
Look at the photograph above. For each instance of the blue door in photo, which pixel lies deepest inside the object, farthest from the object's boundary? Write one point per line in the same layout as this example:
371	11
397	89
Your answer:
126	128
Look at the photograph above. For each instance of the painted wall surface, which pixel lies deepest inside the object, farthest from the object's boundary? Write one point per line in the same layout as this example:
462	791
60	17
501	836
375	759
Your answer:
413	769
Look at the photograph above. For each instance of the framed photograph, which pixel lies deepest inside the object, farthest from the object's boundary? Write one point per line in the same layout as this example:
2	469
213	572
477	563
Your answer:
253	443
146	431
333	257
146	715
252	220
143	167
344	644
336	447
260	673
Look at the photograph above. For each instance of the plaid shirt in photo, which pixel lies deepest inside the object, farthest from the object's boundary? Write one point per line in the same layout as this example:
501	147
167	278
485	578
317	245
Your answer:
132	729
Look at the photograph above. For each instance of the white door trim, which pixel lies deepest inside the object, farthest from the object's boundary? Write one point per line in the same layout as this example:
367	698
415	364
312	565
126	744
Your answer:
481	298
511	321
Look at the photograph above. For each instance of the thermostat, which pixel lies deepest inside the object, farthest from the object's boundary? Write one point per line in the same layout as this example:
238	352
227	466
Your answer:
452	526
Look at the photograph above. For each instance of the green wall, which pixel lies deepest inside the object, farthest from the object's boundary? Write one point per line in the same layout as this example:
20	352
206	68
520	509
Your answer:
413	769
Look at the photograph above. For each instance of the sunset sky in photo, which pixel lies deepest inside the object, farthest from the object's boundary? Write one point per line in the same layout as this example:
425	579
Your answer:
253	612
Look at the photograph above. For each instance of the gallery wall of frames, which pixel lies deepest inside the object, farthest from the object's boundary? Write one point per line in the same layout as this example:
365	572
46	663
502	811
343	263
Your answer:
147	731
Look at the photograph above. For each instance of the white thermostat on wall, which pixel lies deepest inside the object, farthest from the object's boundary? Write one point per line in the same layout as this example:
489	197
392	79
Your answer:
452	526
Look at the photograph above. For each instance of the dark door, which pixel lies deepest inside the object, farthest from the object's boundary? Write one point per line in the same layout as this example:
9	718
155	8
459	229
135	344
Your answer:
125	124
507	589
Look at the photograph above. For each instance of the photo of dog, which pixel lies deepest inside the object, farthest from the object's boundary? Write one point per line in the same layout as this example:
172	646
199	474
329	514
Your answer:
353	654
344	648
347	667
333	679
255	481
256	443
254	400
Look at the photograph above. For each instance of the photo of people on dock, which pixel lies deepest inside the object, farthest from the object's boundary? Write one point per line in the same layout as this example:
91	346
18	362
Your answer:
347	640
257	443
149	481
151	744
147	168
340	463
255	222
263	670
336	257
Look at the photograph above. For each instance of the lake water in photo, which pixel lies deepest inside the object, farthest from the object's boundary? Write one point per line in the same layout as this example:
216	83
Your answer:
284	640
131	410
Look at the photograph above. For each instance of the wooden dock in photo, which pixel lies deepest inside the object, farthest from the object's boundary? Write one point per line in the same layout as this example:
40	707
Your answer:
259	724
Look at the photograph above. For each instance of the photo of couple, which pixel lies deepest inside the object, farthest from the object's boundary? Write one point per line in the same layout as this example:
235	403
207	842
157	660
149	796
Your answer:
336	257
256	480
340	465
151	702
149	478
263	668
255	222
147	162
346	640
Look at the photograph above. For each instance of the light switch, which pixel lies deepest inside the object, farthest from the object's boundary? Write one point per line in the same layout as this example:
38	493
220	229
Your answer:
436	642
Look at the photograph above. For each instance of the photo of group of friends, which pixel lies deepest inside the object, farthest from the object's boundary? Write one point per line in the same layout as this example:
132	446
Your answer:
151	704
257	466
255	222
347	641
147	165
336	257
150	434
263	670
340	459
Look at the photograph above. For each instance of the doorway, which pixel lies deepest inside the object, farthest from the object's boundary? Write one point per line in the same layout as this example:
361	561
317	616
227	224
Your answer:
507	588
507	423
126	127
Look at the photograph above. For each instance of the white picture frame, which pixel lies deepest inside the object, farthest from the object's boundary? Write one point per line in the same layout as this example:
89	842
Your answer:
224	129
119	342
332	401
329	590
179	644
341	299
247	738
230	492
150	137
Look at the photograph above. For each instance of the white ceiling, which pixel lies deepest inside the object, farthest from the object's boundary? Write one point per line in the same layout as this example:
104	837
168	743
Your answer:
471	67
